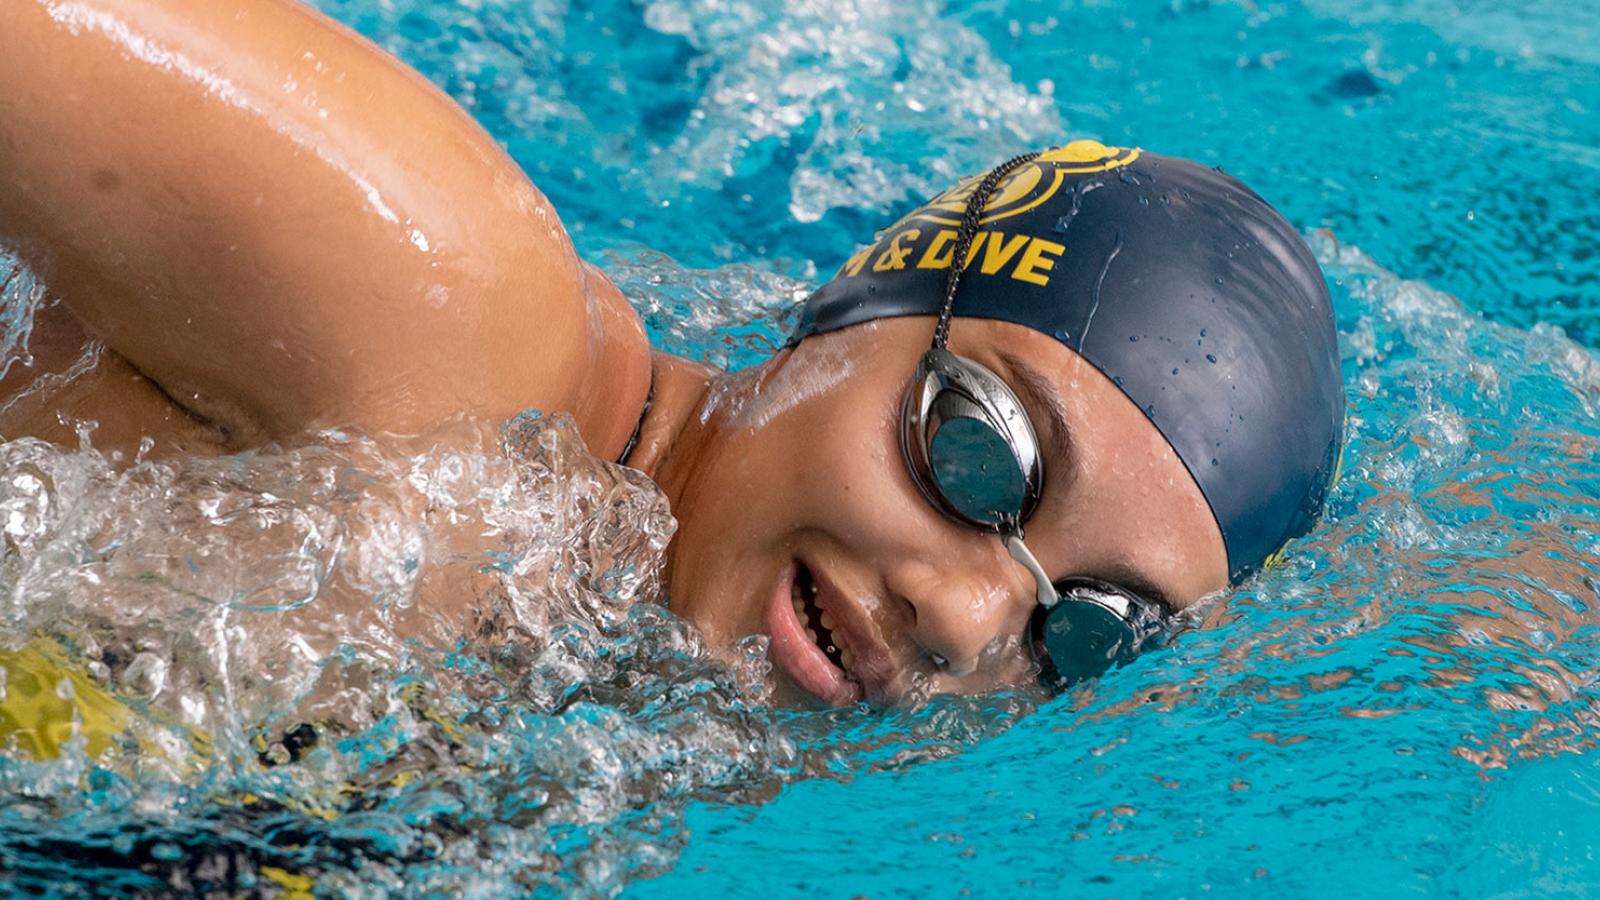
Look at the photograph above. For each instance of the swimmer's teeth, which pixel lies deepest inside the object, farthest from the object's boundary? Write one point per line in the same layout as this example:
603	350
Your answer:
816	621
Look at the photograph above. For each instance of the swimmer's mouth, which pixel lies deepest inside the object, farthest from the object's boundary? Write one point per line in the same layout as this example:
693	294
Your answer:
825	641
818	624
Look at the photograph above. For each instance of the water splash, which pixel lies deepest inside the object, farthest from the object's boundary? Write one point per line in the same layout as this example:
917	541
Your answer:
838	84
761	112
373	663
730	316
20	296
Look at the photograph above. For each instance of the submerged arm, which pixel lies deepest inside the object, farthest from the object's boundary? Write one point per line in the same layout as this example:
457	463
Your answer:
286	228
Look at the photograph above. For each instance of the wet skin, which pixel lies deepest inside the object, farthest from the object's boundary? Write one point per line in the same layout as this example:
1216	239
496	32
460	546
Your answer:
284	228
274	227
798	461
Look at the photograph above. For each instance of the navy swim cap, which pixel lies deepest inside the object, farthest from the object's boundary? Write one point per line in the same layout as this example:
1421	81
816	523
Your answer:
1184	287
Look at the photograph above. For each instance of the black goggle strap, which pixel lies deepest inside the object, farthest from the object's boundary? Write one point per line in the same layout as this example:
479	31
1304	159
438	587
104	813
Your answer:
964	238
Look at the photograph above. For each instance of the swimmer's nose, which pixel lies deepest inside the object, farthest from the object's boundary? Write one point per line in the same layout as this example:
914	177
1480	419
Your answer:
959	612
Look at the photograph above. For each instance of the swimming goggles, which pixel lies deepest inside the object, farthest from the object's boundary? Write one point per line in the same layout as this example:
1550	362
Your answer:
974	455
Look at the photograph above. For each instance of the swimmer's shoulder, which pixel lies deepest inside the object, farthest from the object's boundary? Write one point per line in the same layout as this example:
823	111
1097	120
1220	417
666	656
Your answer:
330	241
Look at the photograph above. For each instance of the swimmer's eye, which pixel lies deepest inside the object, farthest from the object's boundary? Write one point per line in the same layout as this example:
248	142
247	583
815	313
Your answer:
1095	626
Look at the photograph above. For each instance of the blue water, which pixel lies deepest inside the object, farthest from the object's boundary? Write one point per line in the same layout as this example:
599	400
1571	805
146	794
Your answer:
1407	706
1456	142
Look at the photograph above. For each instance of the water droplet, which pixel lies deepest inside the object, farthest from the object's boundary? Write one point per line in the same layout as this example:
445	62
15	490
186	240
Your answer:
1062	335
1134	338
1218	279
1202	332
1211	358
1214	461
1174	371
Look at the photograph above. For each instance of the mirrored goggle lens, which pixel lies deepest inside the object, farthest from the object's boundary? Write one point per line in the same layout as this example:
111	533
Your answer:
977	471
1091	629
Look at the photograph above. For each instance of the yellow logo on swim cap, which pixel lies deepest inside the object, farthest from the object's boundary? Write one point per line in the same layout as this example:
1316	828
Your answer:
1027	187
1090	156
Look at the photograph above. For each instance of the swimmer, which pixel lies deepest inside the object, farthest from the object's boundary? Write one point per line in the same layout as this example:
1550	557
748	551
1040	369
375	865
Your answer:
1043	412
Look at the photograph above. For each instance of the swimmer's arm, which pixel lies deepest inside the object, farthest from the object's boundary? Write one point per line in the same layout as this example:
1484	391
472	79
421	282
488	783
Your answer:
286	228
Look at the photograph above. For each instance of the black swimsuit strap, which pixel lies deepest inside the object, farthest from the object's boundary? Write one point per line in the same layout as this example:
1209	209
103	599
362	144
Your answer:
638	428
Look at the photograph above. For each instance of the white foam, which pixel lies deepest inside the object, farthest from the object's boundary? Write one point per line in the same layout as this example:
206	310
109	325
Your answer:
847	86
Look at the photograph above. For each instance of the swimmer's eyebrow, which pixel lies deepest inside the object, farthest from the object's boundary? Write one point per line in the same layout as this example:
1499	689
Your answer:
1137	582
1040	394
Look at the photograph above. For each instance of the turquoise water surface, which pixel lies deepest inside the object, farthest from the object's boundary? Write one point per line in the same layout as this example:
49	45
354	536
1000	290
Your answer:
1407	706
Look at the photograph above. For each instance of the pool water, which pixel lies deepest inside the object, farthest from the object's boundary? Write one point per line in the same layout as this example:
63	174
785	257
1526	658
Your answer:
1408	705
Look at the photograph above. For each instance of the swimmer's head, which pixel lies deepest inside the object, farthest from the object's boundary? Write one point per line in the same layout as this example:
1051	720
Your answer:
1165	332
1185	288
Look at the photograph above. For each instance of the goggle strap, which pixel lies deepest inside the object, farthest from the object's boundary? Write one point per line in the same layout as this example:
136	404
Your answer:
964	238
1020	552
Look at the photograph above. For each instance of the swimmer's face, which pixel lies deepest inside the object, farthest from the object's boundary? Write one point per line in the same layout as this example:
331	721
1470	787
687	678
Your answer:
799	485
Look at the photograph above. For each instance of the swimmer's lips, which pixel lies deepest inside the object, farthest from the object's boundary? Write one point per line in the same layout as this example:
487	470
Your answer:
872	664
872	675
